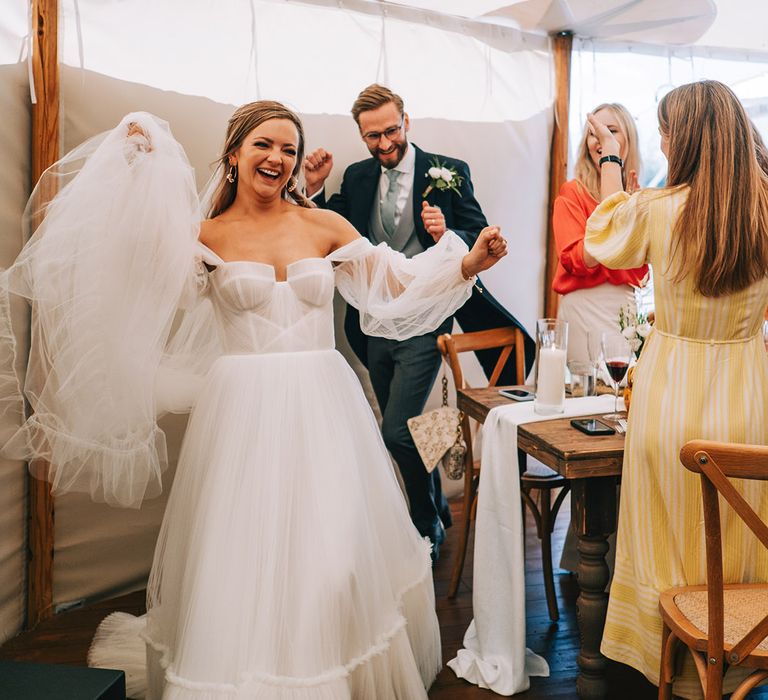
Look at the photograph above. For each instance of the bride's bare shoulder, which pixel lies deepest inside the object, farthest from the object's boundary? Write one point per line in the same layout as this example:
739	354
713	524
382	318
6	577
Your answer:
332	227
210	231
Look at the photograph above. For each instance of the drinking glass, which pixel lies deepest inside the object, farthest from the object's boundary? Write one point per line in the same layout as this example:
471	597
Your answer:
595	352
582	378
617	354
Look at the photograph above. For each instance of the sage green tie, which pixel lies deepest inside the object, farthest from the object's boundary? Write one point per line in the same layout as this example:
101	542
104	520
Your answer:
389	204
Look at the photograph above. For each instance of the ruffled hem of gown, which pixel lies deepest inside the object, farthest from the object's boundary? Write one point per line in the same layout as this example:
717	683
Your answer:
399	665
121	471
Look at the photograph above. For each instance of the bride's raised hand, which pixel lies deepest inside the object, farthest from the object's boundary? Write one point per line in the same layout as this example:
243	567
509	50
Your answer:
138	137
489	248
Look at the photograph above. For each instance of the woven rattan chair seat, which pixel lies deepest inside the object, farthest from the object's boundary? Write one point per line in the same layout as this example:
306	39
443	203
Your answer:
744	608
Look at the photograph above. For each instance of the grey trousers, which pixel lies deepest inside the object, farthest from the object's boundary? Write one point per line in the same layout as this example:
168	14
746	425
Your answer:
402	374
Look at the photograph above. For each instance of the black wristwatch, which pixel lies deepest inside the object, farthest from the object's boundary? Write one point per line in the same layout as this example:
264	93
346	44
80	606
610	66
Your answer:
612	159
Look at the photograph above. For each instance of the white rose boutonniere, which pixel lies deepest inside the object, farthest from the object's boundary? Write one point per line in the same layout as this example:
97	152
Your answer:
442	178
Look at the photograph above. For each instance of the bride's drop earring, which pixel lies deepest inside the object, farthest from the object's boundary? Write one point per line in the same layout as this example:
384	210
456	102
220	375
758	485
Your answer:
292	182
232	174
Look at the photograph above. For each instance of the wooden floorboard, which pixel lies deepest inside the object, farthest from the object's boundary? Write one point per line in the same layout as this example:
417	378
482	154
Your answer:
65	638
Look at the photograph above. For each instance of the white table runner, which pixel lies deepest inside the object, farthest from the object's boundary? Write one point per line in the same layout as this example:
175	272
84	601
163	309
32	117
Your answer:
494	654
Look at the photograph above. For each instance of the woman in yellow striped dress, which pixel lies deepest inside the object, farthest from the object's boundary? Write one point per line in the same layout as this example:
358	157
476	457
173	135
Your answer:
704	370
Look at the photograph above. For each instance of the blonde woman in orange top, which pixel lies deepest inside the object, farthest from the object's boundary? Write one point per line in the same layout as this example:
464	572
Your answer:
592	296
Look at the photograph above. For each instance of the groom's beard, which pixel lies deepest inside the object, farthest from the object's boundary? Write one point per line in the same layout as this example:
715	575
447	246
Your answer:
392	157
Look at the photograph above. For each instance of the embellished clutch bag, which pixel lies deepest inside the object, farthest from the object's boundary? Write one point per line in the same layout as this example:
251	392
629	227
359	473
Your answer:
437	435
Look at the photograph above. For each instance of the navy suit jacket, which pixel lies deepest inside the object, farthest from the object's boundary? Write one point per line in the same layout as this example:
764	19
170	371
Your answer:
463	215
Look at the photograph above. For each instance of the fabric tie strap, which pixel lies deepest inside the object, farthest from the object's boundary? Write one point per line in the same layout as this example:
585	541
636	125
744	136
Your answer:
710	341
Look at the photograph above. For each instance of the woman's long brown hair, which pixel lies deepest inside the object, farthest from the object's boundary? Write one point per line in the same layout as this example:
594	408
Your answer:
721	235
241	123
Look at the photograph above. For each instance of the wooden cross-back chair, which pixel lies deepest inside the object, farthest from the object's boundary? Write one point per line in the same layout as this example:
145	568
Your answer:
722	624
507	339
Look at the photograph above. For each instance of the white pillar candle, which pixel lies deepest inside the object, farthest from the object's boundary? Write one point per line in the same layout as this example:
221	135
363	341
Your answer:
550	379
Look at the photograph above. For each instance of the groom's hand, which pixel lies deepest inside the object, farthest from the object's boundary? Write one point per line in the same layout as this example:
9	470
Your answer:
434	221
317	167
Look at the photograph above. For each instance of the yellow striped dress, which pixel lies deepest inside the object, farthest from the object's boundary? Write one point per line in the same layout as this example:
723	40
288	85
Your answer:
703	373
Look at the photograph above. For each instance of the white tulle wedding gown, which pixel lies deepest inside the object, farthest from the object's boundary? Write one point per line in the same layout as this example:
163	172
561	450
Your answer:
287	567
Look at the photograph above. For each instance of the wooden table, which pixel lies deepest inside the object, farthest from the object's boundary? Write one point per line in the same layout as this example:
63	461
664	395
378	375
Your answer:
593	464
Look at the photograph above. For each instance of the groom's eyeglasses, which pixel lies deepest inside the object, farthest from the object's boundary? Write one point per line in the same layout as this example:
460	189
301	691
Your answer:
373	137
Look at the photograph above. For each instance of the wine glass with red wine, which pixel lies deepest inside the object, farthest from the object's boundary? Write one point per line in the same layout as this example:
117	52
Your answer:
617	354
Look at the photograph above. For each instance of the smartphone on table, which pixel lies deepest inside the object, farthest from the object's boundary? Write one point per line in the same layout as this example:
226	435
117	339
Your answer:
517	394
592	426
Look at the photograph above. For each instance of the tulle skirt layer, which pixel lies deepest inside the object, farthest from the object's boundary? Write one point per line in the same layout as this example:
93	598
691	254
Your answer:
287	566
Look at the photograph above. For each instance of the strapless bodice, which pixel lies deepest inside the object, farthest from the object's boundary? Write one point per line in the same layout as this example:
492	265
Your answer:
257	314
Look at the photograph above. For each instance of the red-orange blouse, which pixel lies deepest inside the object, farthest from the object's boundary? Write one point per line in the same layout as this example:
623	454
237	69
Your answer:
573	207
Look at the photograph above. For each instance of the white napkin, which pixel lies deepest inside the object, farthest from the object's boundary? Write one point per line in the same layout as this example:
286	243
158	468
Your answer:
494	654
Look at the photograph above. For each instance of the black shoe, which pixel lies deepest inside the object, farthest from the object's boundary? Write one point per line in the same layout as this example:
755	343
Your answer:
436	536
446	517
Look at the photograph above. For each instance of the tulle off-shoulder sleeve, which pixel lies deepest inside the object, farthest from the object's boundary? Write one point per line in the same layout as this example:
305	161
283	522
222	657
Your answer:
617	233
400	297
113	252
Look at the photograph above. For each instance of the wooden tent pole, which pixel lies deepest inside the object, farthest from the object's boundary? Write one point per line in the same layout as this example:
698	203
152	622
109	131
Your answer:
45	152
558	162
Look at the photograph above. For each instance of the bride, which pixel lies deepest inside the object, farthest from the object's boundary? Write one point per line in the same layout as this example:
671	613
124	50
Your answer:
286	566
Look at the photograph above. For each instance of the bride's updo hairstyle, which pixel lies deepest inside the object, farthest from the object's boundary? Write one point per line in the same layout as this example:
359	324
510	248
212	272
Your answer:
721	235
241	123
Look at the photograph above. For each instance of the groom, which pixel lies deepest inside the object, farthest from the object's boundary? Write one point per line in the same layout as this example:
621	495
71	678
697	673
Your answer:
385	198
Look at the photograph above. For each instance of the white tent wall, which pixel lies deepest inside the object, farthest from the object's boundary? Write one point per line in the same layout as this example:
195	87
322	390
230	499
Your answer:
14	190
